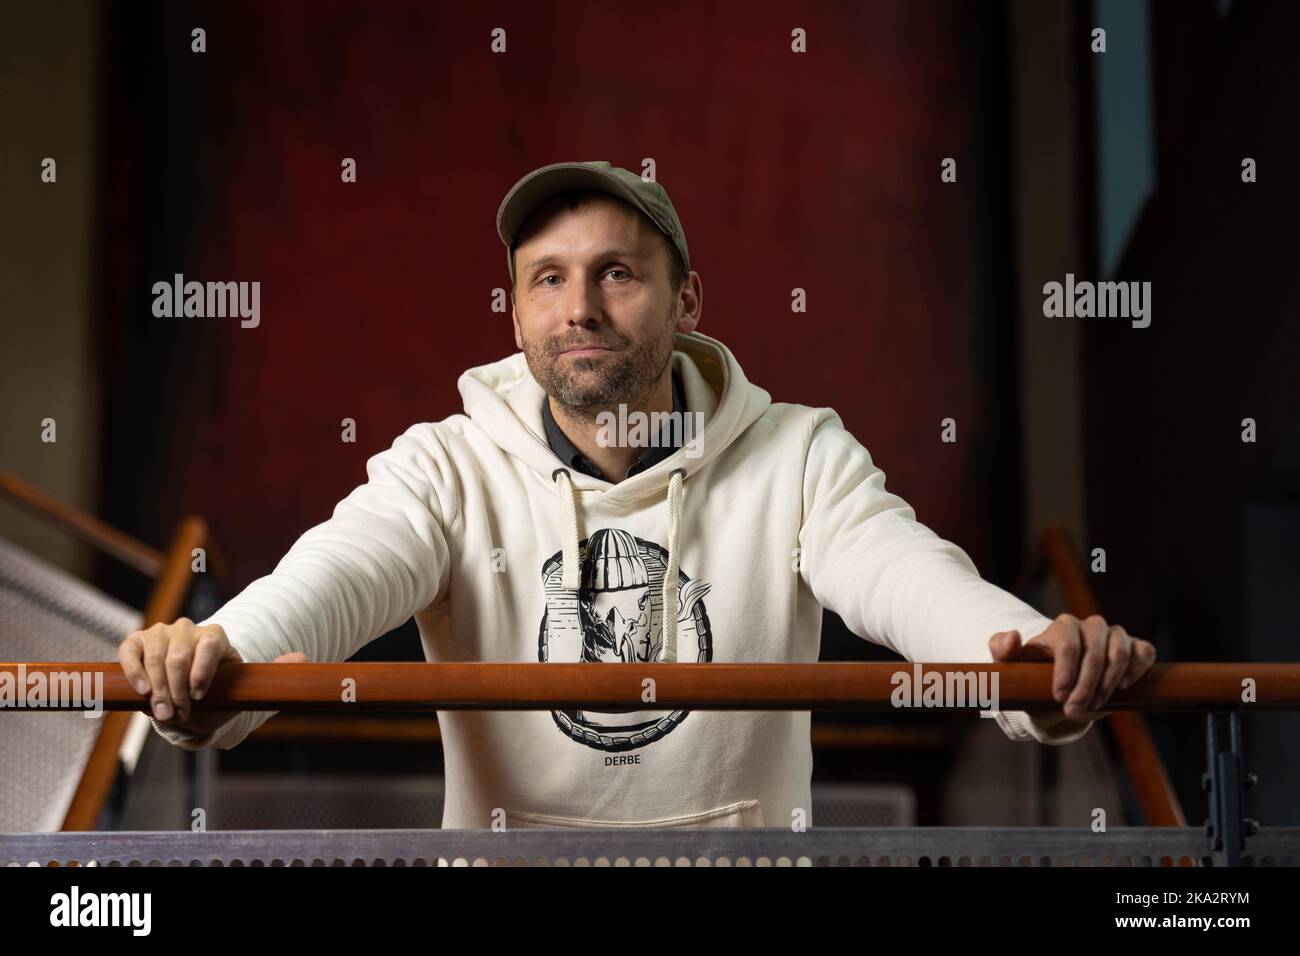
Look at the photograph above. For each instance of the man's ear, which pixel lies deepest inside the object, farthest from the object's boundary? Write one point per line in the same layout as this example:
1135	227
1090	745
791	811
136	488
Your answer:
691	304
689	316
514	318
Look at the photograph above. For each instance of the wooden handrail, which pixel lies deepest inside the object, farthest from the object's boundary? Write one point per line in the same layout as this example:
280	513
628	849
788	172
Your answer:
1151	784
714	686
130	551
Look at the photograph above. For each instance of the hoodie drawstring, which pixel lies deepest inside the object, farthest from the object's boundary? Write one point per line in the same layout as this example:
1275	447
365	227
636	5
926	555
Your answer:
570	577
669	652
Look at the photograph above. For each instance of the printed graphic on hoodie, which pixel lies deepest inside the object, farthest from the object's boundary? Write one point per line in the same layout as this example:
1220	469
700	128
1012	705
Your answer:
616	616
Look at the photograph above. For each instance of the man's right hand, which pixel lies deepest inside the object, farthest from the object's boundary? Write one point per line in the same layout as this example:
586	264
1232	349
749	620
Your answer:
175	663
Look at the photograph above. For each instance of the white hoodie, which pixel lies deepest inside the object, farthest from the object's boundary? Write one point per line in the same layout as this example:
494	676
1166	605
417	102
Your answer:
472	525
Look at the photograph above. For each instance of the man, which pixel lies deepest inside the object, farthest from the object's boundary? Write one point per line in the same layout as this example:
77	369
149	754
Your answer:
521	531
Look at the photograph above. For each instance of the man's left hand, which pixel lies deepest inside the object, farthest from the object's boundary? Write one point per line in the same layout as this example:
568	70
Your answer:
1092	659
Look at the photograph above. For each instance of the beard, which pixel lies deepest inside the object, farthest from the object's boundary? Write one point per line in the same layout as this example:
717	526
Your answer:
588	385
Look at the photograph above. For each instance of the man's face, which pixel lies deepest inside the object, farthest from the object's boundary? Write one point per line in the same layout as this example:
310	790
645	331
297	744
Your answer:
593	311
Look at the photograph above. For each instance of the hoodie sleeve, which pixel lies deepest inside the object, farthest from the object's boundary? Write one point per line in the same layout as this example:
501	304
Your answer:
381	558
894	581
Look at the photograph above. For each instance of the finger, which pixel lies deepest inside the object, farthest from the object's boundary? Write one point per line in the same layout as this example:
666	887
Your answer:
1036	650
1118	648
1063	640
1091	666
180	657
1141	658
155	665
293	657
209	651
1005	646
130	654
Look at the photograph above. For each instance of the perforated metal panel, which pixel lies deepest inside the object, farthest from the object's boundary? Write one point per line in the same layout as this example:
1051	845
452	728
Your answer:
49	615
941	847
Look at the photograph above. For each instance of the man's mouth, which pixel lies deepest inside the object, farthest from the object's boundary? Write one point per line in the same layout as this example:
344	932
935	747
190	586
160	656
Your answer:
585	349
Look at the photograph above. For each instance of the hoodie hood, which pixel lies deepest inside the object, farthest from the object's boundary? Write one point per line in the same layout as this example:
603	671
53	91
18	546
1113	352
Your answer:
505	401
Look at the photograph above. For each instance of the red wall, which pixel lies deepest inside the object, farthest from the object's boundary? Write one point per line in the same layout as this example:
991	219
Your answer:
818	170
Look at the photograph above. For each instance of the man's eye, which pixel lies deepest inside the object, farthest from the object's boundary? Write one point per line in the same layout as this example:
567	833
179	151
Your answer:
544	278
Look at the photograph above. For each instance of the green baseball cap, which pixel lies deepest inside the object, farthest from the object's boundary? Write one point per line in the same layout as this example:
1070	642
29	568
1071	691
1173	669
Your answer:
541	184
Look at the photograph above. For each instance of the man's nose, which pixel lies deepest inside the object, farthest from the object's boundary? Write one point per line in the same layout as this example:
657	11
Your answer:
583	303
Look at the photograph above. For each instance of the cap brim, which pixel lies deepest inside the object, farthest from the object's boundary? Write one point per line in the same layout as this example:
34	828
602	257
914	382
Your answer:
539	185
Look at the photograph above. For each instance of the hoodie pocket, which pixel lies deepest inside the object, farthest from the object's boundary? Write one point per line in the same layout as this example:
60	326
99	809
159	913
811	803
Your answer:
743	813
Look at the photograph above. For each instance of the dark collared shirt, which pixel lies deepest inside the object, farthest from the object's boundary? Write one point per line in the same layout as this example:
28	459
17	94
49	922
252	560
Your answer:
669	439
